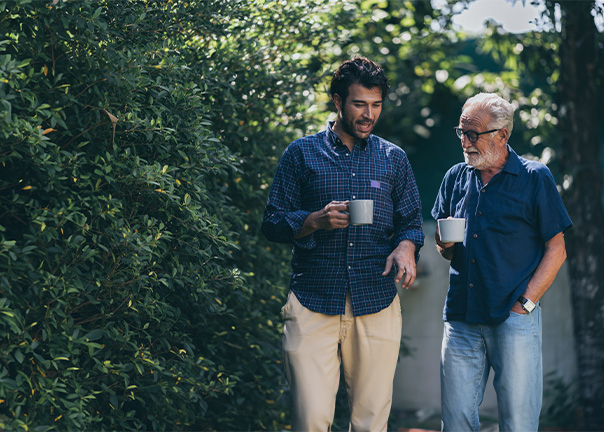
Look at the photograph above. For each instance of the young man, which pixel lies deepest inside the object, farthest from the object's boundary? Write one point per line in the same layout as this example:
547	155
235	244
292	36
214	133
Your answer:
343	307
512	251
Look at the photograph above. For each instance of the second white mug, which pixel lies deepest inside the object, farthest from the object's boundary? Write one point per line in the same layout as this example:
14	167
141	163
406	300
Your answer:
452	230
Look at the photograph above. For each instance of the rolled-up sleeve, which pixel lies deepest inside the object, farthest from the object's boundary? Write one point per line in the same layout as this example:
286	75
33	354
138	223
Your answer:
408	220
550	212
442	205
283	218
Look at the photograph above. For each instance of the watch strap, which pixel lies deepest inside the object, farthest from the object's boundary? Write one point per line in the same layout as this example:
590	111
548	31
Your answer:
527	304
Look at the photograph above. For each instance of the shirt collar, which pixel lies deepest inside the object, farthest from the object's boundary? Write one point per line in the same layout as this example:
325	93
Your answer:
334	139
513	165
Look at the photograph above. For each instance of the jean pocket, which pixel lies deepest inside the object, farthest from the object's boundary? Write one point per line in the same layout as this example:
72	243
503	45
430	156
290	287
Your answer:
518	313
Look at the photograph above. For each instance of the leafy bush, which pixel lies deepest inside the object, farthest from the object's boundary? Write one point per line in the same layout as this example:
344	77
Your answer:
114	254
136	142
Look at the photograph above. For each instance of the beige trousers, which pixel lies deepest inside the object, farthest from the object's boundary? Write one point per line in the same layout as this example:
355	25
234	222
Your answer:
367	347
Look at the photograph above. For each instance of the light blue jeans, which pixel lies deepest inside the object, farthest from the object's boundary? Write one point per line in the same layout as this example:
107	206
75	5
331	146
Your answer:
513	350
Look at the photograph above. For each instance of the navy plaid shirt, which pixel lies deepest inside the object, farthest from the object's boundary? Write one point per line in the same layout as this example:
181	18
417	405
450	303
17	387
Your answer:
318	169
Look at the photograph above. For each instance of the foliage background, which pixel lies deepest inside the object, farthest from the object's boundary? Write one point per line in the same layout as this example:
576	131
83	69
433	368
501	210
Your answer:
138	140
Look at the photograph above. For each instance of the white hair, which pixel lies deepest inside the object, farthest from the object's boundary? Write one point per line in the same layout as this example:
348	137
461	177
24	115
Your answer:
501	112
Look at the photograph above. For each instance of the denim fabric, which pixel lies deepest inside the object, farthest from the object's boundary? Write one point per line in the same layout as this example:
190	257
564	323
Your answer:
513	350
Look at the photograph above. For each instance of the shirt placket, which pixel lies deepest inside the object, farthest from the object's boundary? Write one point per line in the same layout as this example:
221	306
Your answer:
354	187
474	232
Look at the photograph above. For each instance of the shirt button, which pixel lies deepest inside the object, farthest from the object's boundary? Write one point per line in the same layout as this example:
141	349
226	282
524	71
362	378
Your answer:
353	174
479	213
471	285
475	236
483	190
349	267
351	244
472	261
354	197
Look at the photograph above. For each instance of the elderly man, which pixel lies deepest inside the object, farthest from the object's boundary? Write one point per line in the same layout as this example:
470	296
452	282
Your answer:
343	307
511	253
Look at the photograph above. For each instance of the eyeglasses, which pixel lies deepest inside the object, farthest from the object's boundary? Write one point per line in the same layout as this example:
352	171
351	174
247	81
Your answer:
472	135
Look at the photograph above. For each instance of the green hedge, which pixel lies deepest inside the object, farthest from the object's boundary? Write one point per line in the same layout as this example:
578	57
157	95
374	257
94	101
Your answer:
135	288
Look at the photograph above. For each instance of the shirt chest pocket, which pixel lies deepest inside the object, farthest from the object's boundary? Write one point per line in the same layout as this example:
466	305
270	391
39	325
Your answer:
505	215
371	189
380	191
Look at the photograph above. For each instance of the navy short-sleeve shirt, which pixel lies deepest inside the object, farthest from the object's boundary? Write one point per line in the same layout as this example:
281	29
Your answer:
509	220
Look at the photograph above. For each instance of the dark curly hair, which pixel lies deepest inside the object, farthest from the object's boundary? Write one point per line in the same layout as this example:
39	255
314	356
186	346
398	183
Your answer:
359	70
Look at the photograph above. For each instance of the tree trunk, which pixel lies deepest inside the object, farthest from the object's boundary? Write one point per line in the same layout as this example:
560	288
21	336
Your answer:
580	161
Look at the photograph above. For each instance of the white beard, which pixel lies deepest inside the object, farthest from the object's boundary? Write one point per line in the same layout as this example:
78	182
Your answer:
487	159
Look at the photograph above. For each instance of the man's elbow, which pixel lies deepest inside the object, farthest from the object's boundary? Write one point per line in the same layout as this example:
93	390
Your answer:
557	247
273	233
563	254
268	232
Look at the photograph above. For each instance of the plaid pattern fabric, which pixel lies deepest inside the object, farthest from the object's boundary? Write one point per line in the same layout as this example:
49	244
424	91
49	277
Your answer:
318	169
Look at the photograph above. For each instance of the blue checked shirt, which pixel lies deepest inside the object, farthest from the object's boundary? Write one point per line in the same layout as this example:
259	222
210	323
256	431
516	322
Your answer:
318	169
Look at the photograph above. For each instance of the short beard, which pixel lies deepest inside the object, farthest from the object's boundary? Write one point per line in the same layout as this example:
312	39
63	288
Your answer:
485	160
348	126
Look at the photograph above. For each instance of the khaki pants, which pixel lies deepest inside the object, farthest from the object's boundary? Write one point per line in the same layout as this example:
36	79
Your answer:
315	344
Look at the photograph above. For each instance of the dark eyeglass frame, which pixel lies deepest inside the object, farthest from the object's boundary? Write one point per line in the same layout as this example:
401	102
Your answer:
472	135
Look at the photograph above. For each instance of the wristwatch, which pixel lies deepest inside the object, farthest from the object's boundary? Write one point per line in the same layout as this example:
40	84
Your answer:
527	305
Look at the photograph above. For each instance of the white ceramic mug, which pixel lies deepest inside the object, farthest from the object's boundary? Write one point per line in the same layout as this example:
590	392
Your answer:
452	230
361	212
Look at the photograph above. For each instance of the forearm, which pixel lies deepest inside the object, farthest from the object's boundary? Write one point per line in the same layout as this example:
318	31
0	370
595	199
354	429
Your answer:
309	227
407	214
446	253
446	250
283	216
555	254
280	226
